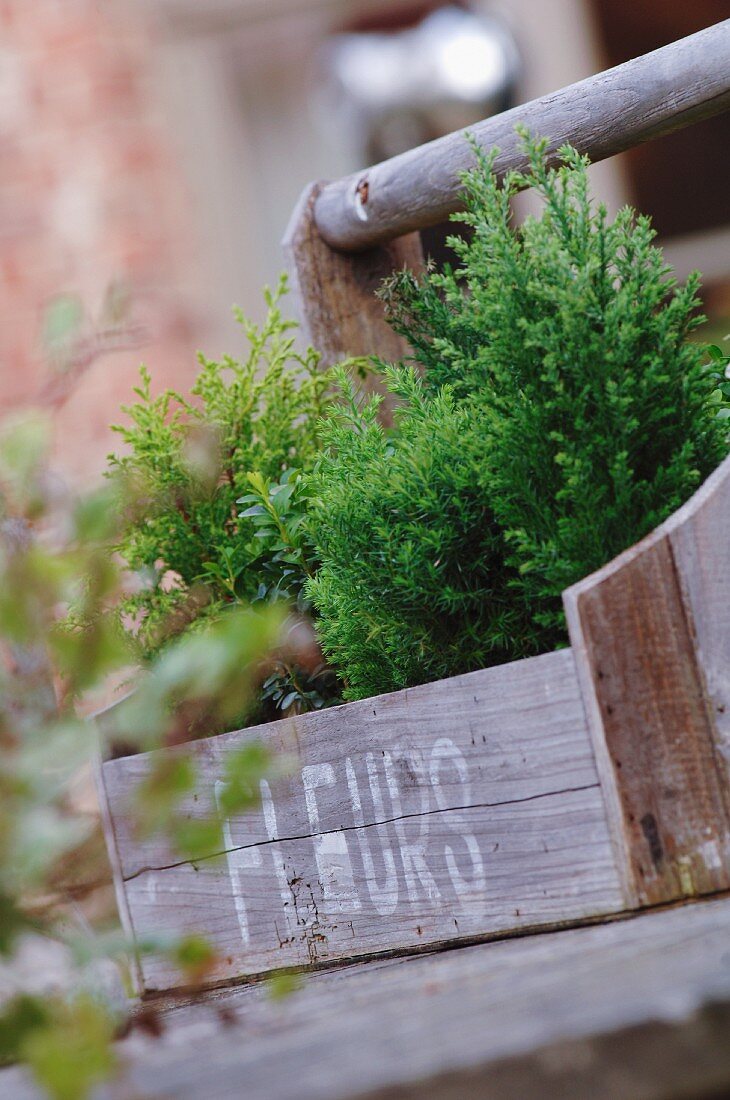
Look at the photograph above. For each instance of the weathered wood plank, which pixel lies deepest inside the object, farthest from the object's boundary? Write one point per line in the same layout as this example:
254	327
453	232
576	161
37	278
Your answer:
605	114
591	1012
463	808
335	294
651	636
520	727
308	902
700	538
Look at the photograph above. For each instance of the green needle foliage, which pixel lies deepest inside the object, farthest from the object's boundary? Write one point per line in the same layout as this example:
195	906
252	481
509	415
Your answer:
193	548
191	461
562	414
412	585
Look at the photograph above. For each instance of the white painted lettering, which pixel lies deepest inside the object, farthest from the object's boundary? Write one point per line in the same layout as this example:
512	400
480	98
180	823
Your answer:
330	848
238	860
272	832
385	898
446	753
412	851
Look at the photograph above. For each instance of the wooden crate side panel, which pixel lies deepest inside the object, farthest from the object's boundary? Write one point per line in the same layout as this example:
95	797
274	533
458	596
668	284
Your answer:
107	814
701	546
520	728
650	632
456	810
415	882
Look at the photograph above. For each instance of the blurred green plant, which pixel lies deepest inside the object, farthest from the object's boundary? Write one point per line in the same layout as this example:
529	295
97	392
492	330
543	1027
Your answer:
60	639
72	337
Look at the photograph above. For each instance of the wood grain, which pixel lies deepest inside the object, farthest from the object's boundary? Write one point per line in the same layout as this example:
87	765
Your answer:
546	863
606	114
700	538
520	727
460	809
335	293
651	636
634	1010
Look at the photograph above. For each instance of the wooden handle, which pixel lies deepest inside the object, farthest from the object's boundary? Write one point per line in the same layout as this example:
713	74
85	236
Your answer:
606	114
651	639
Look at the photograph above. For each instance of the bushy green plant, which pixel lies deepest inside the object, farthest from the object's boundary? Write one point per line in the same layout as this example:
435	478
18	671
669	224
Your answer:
412	584
561	415
244	437
720	373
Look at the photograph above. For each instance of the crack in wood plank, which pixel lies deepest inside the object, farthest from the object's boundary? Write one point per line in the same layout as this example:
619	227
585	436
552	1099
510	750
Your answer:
354	828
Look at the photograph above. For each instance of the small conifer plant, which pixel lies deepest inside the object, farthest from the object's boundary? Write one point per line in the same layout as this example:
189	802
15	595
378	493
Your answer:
412	584
560	415
245	436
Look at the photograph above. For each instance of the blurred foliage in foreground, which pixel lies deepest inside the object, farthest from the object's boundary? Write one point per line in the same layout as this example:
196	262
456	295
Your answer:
60	641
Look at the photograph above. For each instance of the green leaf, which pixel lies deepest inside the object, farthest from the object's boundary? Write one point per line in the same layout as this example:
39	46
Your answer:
243	770
19	1019
62	321
71	1050
12	923
194	956
283	984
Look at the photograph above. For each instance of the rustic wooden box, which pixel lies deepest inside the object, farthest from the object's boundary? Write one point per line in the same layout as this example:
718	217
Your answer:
560	789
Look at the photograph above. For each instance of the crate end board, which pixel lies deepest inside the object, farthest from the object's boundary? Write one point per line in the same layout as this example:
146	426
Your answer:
651	637
335	293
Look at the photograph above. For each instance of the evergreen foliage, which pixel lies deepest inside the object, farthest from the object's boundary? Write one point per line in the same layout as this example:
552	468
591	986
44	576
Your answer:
561	415
412	585
248	431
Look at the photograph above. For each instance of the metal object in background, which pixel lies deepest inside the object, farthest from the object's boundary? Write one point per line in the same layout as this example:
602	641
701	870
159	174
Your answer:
655	94
401	88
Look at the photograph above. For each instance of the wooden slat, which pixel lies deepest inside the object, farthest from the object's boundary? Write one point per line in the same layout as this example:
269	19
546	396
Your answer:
520	727
700	540
605	114
635	1010
460	809
651	636
335	293
544	865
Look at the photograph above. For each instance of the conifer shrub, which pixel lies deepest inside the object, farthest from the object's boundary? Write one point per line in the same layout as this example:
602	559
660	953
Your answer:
561	414
245	436
412	583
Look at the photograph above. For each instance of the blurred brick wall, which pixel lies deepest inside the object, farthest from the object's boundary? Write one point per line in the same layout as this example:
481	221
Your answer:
97	245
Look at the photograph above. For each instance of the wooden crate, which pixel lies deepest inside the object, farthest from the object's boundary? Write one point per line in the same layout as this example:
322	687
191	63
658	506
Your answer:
570	787
563	788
